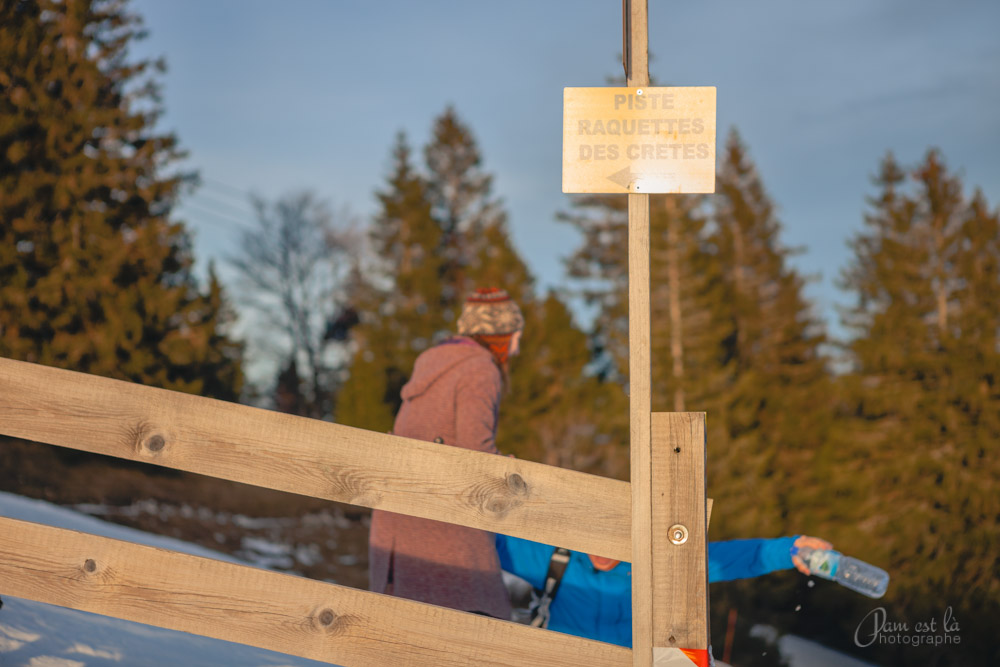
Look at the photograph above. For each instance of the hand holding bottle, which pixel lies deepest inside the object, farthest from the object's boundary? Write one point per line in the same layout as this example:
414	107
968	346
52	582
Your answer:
819	558
806	541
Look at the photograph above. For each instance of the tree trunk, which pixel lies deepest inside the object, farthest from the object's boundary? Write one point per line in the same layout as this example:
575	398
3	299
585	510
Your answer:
676	323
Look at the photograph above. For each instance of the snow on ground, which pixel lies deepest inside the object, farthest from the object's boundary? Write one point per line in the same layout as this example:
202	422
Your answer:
33	634
38	511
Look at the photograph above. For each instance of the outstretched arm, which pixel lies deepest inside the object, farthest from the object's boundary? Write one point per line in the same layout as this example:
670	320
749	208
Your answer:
741	559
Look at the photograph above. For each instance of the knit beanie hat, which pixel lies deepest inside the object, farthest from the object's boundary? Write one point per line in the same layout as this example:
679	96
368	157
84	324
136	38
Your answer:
490	311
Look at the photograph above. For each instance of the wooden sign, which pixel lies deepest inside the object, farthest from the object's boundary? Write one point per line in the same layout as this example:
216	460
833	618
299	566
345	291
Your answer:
639	140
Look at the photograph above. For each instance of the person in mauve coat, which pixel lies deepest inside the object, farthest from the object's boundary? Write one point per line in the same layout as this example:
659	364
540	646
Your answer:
453	397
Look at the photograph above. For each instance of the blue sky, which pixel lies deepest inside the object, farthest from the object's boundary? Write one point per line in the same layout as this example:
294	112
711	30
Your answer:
275	97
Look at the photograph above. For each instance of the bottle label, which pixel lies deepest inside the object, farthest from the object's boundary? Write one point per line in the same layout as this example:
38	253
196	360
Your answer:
823	563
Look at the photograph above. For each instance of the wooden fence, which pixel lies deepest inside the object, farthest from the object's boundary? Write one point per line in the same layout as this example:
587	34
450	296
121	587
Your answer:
325	621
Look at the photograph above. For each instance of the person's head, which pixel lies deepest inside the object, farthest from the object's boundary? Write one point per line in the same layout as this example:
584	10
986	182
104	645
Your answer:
491	318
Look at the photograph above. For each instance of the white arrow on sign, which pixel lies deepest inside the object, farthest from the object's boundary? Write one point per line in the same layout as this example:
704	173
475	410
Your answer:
644	181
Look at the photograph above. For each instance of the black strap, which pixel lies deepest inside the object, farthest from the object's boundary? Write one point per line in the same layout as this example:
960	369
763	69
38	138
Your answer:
540	606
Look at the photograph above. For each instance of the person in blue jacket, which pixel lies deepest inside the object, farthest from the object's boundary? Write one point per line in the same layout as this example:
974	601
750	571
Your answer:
594	598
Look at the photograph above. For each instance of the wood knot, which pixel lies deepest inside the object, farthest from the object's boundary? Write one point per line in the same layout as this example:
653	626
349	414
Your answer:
517	484
329	622
354	487
672	640
90	565
142	439
499	495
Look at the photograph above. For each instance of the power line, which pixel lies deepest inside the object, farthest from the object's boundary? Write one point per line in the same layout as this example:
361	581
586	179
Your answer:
221	217
230	190
225	206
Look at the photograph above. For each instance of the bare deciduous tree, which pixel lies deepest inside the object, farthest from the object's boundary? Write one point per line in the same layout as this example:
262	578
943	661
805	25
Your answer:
293	269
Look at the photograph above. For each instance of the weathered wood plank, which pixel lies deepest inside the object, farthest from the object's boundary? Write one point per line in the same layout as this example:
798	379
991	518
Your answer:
270	610
639	419
637	34
637	29
310	457
680	572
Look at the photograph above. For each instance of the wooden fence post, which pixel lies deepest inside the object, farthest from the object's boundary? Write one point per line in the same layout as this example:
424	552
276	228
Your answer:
636	57
679	530
669	549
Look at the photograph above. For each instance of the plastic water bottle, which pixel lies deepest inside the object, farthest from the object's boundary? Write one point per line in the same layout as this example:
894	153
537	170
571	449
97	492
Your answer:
852	573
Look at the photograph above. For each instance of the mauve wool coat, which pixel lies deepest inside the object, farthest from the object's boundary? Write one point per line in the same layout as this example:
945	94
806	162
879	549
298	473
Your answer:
454	395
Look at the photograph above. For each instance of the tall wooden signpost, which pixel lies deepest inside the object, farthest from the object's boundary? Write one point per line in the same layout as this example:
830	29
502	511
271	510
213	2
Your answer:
641	140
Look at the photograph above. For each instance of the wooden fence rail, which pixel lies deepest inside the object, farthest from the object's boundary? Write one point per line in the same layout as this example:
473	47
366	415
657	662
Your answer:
270	610
314	458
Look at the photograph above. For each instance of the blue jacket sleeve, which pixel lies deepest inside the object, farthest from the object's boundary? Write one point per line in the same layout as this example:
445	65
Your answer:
740	559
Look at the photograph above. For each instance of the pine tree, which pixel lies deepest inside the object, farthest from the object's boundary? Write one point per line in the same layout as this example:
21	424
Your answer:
410	239
684	282
926	329
977	322
772	405
218	357
462	202
600	265
687	327
556	412
497	263
400	306
890	277
93	274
